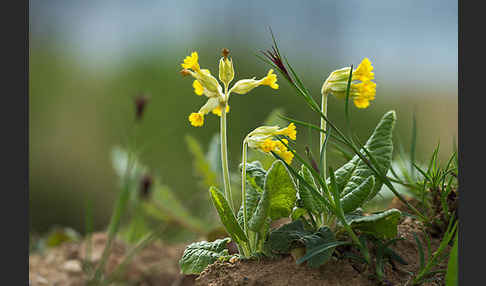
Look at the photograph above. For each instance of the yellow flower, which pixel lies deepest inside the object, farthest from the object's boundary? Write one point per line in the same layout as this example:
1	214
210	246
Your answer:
362	89
217	110
363	72
365	92
287	156
270	80
246	85
290	131
198	88
196	119
208	85
267	145
264	139
191	62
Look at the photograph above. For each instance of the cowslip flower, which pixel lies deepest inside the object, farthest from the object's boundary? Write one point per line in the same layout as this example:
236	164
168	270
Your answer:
362	89
264	139
207	85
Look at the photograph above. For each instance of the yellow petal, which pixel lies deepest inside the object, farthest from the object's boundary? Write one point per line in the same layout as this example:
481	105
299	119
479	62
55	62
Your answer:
198	88
196	119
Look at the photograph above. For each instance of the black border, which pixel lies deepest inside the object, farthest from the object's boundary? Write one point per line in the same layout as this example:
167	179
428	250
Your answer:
14	208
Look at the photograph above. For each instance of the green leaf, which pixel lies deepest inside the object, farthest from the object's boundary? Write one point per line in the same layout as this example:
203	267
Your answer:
201	164
452	269
319	247
381	225
306	199
226	216
294	234
380	145
260	214
280	240
281	191
358	196
165	206
199	255
252	198
297	213
255	170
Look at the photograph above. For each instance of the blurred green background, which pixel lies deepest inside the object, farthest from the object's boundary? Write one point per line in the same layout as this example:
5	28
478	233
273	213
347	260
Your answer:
88	59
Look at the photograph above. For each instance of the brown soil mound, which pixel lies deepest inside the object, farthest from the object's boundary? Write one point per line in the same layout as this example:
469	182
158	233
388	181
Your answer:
286	272
157	264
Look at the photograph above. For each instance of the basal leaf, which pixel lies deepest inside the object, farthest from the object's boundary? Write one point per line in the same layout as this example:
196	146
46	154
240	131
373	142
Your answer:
358	196
319	245
280	240
199	255
306	199
256	171
260	214
252	198
281	191
381	225
226	215
380	145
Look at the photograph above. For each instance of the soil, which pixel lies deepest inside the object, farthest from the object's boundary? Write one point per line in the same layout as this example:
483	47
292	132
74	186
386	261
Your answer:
335	272
157	264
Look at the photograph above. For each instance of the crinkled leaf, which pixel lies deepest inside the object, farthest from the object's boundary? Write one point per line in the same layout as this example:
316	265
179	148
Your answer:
319	247
256	171
260	214
380	145
280	240
283	239
226	215
358	196
199	255
252	199
281	191
306	199
381	225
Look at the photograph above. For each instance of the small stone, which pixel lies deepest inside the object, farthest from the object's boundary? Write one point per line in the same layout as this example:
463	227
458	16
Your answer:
73	266
233	259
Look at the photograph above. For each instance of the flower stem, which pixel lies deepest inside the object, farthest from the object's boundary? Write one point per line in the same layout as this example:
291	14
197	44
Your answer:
321	143
243	186
224	159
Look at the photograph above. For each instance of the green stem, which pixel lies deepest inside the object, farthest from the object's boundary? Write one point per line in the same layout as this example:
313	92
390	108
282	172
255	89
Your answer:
224	159
243	187
321	143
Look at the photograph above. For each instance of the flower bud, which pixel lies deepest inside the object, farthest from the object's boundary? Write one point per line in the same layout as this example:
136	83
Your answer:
245	85
226	71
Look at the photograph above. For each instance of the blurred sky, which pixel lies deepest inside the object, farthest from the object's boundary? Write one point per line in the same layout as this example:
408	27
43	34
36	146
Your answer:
411	42
89	58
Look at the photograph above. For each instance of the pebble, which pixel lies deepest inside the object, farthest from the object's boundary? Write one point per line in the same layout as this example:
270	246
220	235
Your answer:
73	266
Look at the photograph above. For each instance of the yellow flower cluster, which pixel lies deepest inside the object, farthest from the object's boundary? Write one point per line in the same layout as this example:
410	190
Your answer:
360	92
206	84
263	139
